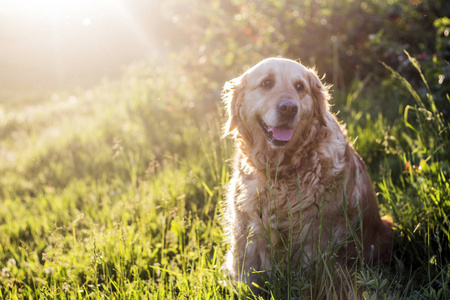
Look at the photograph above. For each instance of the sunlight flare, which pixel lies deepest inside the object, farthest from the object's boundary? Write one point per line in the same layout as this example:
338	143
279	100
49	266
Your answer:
74	39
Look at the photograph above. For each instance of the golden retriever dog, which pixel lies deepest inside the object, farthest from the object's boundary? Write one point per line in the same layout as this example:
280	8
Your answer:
297	183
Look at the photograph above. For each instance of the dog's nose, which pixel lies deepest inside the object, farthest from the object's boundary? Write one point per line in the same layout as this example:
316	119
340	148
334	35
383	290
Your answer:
287	109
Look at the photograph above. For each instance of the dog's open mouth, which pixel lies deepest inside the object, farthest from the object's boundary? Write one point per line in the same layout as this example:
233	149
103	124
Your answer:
278	136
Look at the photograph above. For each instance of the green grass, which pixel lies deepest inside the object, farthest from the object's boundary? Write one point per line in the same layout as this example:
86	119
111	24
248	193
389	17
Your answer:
115	192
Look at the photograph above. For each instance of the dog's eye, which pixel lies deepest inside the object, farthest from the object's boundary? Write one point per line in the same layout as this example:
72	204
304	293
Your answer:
299	86
267	83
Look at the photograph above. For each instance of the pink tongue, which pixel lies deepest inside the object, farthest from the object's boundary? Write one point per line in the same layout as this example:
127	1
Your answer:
281	134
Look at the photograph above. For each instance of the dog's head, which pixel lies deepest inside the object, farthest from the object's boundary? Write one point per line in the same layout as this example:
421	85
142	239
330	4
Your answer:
273	101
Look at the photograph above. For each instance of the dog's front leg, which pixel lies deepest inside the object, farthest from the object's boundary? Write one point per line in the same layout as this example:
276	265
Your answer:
248	257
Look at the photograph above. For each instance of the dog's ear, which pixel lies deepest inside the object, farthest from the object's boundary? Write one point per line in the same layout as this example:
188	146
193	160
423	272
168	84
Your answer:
320	96
231	96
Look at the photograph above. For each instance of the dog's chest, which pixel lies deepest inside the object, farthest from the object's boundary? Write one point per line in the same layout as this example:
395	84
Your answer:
273	207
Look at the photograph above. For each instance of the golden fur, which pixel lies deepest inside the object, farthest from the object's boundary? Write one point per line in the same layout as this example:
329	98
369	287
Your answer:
305	193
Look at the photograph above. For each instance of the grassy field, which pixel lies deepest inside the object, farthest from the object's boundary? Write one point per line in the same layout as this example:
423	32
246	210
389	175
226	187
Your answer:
115	193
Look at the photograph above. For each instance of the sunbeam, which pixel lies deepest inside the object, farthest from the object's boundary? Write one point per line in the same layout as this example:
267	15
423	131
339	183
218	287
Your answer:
73	40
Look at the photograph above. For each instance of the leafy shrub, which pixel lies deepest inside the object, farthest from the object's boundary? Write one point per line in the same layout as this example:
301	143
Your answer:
420	201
